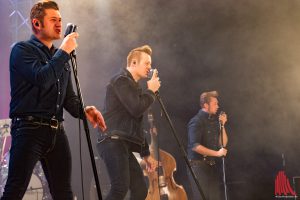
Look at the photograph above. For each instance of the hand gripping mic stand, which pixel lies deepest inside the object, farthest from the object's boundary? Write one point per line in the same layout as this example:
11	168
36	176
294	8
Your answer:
184	154
72	28
223	162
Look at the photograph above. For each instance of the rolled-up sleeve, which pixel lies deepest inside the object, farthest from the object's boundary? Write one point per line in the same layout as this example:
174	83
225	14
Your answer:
195	131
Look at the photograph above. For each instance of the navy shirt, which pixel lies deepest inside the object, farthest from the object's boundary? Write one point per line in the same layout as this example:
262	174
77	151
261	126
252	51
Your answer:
40	80
203	129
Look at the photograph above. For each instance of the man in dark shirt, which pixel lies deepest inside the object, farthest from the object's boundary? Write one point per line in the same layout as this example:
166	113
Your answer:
125	103
40	88
204	145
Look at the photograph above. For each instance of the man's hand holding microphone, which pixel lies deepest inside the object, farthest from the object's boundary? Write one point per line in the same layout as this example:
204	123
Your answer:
154	83
69	43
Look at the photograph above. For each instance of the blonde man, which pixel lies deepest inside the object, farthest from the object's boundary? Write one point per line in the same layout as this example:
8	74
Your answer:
125	104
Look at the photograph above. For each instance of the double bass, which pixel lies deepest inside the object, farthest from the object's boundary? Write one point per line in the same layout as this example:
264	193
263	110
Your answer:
162	185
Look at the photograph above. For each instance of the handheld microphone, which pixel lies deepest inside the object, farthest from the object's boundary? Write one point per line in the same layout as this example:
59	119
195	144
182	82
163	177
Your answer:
220	122
149	76
70	29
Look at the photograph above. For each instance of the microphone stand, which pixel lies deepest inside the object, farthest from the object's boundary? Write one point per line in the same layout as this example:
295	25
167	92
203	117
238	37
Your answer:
181	148
85	124
223	162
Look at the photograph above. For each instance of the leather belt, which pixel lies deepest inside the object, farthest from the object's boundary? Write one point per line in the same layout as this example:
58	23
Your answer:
205	160
106	136
53	123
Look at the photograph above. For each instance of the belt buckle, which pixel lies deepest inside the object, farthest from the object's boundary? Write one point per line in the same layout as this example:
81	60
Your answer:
54	123
212	163
115	137
209	162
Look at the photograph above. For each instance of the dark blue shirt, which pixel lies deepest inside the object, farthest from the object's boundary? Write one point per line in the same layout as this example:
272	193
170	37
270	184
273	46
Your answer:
40	80
203	129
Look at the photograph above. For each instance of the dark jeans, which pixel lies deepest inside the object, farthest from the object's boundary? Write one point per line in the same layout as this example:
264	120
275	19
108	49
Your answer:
123	169
31	143
209	180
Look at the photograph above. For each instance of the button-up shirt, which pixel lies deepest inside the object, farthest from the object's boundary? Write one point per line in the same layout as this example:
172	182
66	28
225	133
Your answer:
203	129
40	80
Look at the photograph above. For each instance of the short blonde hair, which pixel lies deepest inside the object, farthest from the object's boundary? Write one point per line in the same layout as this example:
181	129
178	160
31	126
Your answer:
135	53
205	97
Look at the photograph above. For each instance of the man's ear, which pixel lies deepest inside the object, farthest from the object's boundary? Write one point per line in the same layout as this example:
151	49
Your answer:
205	105
134	61
36	24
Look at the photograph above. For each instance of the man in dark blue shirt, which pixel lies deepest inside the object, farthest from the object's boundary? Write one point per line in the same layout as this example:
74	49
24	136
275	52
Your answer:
40	88
125	104
204	145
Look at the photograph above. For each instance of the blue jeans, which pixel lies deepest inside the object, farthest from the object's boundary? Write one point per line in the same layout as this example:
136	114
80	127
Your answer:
31	143
123	169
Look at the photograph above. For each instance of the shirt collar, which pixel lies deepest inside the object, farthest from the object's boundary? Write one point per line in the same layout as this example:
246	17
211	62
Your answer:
127	73
206	115
38	43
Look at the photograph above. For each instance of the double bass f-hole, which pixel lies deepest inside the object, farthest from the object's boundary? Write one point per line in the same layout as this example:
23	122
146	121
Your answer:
162	185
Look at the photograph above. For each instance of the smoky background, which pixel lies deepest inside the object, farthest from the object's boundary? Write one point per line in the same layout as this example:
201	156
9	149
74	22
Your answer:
246	50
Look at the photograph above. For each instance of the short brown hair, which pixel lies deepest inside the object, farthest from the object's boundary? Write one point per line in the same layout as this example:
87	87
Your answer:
38	11
205	97
135	53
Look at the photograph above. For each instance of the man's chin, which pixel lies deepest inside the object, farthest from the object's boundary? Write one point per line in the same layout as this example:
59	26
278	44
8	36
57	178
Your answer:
57	37
144	77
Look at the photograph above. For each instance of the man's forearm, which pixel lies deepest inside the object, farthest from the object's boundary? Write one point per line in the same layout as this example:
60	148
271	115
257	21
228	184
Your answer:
205	151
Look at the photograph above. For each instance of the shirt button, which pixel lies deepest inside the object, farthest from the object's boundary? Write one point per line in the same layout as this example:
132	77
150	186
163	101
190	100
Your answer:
59	93
57	80
57	106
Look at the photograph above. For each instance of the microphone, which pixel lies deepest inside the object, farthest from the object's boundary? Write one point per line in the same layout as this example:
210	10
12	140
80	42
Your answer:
221	113
70	29
149	76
